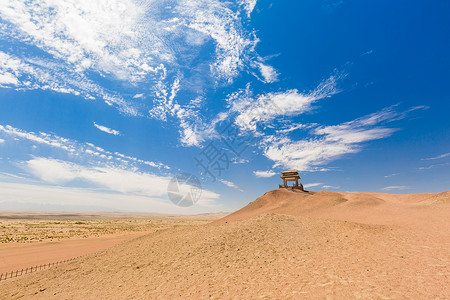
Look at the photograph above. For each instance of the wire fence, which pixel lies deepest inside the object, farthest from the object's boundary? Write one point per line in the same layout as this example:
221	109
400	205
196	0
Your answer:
9	275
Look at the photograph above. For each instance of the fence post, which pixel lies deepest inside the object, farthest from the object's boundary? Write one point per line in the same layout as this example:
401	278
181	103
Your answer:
4	276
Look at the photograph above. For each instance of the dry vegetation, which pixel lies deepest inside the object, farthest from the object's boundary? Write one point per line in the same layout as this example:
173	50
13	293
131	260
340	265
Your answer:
26	231
34	227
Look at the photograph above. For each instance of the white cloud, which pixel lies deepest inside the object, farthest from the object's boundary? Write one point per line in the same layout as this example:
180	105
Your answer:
264	174
98	172
331	187
368	52
6	175
37	74
268	106
434	166
294	127
396	187
269	73
394	174
126	181
308	185
330	143
192	129
41	197
217	21
101	35
7	78
230	184
106	129
2	141
114	179
437	157
239	160
145	43
249	6
85	150
250	110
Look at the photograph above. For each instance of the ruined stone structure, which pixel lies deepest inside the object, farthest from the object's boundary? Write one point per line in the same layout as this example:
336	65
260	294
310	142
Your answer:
291	175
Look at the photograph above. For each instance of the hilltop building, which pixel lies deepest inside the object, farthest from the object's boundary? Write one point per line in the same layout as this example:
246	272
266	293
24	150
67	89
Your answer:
291	175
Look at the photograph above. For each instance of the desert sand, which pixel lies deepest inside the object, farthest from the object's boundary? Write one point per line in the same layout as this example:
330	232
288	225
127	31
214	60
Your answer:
29	239
283	245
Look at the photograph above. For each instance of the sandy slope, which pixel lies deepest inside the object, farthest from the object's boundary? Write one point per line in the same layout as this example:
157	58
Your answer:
17	256
282	245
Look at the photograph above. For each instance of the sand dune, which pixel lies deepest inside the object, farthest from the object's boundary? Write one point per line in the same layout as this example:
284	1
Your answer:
283	245
364	207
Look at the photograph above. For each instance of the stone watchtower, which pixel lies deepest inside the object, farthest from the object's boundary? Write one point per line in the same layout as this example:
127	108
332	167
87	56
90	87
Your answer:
291	175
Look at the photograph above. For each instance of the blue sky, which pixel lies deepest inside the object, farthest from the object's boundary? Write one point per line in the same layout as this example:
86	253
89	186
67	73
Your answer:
102	102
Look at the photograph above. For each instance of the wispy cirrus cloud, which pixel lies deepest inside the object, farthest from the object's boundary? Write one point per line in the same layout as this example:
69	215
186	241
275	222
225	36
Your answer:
249	6
434	166
396	187
331	187
86	151
330	142
106	129
265	107
391	175
291	128
247	111
35	73
86	34
268	73
308	185
145	45
230	184
264	174
437	157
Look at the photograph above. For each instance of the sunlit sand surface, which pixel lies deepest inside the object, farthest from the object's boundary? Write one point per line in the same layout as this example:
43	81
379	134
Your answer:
284	245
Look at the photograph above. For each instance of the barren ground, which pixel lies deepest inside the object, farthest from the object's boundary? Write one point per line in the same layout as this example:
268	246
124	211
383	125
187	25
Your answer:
28	239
